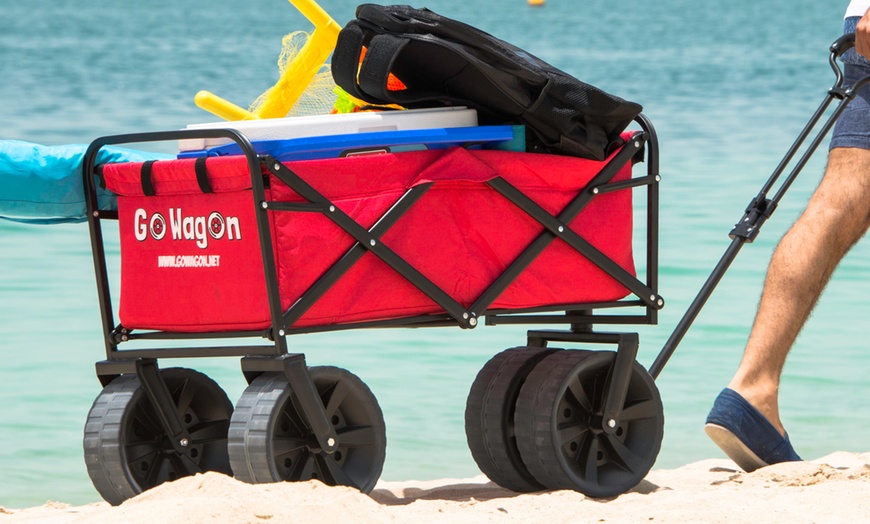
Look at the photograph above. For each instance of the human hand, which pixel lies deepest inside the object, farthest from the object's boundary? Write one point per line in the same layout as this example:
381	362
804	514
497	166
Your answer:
862	35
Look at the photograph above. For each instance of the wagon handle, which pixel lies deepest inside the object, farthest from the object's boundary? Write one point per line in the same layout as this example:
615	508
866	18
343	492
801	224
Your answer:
761	207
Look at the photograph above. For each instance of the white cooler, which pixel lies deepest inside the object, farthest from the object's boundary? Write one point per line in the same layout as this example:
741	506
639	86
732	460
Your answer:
341	124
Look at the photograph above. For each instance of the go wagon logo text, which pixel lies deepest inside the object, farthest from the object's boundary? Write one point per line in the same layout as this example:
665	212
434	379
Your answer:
180	227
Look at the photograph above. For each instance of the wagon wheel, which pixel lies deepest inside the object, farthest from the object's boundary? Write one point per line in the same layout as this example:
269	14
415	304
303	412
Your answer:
270	440
127	450
489	417
560	429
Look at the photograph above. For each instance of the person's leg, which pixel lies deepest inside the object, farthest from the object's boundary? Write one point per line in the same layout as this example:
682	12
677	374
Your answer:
745	421
836	217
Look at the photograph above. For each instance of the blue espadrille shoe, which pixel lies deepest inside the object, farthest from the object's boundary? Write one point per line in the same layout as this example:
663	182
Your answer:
745	435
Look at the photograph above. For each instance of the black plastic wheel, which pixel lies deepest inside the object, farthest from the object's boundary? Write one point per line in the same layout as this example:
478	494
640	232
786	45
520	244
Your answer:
489	417
270	440
127	450
560	431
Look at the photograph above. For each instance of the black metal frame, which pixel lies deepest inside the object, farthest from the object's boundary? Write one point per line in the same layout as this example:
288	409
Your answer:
274	357
645	293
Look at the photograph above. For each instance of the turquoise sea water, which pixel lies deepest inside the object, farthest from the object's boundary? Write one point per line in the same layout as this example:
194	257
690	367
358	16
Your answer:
728	86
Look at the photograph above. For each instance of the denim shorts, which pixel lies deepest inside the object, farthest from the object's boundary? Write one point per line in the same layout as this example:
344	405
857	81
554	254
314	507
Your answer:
853	127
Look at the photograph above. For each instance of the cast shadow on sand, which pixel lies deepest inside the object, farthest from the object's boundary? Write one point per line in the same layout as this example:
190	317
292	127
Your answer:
465	492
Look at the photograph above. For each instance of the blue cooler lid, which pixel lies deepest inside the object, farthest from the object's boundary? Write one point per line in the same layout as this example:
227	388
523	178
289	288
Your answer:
334	146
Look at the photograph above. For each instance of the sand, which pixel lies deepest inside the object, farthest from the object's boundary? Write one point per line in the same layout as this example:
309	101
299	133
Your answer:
835	488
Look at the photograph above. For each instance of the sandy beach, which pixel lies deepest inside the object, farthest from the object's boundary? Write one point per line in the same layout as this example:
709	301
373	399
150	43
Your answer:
834	488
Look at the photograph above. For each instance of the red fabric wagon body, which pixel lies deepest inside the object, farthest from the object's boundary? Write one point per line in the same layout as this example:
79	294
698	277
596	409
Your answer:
192	262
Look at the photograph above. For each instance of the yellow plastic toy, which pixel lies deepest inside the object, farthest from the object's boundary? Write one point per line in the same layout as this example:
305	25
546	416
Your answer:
281	97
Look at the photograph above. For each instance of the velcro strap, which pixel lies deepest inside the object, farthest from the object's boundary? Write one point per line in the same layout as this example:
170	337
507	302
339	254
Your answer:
345	60
145	177
202	175
377	65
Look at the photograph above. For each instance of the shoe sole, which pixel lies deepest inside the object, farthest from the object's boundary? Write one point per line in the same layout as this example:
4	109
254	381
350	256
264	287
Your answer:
734	448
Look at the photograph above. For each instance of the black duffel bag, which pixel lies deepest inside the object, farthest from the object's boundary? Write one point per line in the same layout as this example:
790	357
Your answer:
443	61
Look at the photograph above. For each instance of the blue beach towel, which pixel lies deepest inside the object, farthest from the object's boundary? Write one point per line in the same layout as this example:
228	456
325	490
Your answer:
43	184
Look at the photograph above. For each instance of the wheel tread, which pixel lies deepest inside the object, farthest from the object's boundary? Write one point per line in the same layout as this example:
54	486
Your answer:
489	417
252	428
104	451
534	415
540	442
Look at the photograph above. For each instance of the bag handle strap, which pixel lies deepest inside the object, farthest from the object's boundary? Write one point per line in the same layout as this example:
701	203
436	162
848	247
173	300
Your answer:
345	60
202	175
374	73
368	81
383	52
145	178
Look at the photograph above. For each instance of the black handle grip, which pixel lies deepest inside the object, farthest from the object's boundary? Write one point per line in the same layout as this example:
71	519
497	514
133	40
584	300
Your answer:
843	44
